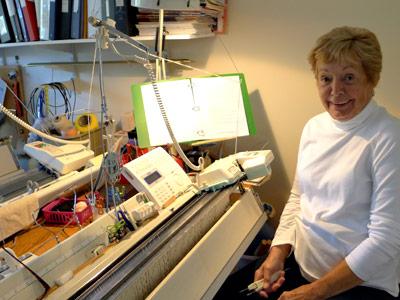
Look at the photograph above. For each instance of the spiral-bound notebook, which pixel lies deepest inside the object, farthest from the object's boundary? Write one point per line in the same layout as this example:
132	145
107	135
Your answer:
203	108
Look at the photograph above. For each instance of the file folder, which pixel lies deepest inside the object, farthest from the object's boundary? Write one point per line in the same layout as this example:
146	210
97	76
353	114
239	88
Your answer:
200	108
16	28
64	32
28	9
76	19
6	33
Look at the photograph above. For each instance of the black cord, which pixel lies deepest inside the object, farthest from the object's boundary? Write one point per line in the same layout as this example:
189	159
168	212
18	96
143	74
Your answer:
58	88
40	279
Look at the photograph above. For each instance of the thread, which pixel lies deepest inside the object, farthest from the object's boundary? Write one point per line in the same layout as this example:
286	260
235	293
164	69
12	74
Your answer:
86	122
61	123
38	132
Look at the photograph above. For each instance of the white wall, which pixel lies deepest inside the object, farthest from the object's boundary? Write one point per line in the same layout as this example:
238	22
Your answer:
267	40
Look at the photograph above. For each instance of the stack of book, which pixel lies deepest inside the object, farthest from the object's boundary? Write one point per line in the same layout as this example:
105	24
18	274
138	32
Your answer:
218	10
175	23
18	21
209	18
34	20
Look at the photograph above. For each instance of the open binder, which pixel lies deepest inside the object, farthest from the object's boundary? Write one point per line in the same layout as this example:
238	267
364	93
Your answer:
200	108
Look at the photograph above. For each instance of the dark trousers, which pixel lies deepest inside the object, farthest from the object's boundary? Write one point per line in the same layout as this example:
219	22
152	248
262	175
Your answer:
293	279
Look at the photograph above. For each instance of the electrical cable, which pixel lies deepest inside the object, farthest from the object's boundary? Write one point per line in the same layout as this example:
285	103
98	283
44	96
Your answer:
179	64
127	58
32	129
178	148
40	92
74	215
36	131
20	101
146	63
168	60
93	188
73	107
112	160
40	279
148	67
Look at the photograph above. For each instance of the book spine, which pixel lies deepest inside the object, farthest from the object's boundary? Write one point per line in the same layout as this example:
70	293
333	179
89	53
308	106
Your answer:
54	19
64	31
84	20
28	9
125	17
76	19
6	33
21	21
108	9
12	13
44	23
37	10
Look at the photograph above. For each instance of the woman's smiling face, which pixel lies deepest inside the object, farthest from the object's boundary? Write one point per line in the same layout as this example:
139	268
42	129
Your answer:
344	88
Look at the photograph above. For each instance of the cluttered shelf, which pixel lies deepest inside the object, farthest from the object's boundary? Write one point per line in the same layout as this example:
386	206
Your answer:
50	23
92	40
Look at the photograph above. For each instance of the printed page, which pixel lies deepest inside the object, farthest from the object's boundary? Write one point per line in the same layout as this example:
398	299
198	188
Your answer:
221	106
197	109
182	114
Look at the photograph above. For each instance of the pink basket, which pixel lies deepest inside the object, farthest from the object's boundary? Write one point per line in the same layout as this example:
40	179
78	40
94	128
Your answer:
63	217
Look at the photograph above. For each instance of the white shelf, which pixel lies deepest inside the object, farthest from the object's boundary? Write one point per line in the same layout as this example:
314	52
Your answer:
46	43
91	40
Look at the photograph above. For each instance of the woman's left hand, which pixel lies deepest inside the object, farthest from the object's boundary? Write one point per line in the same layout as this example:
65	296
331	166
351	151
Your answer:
304	292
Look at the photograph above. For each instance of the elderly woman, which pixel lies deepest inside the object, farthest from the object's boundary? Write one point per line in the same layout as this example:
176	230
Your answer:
342	220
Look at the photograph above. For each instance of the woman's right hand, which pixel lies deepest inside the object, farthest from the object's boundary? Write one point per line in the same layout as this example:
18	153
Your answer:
273	264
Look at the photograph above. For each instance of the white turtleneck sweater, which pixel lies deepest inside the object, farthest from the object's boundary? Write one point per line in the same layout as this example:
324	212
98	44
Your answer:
345	200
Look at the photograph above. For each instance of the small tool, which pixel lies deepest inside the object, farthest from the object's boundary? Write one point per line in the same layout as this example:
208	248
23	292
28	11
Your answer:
256	286
122	216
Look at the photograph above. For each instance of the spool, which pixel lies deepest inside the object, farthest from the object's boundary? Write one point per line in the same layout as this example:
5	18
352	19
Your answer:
61	123
86	122
70	132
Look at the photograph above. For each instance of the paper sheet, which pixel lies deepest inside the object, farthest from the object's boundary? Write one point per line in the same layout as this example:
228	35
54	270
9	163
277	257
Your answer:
197	109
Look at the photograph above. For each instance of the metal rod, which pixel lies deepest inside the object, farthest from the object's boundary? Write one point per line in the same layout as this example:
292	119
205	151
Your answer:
99	23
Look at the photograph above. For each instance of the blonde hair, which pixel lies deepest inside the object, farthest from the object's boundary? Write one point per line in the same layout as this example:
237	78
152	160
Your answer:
349	44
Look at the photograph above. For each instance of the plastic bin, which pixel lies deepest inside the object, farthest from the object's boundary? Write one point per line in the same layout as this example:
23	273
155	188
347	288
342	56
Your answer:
63	217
